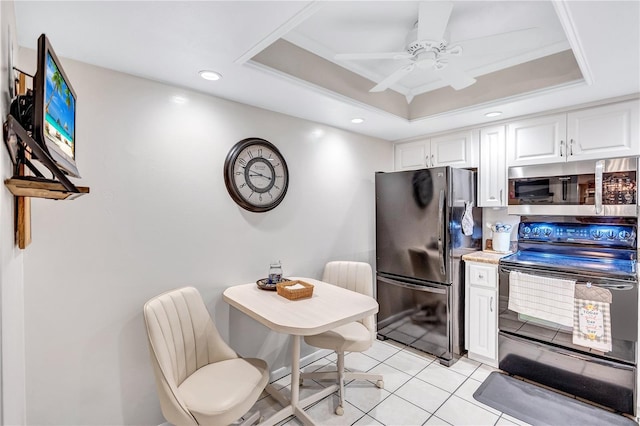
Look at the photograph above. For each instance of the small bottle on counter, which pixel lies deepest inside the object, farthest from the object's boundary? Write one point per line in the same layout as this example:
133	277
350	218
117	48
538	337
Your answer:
275	272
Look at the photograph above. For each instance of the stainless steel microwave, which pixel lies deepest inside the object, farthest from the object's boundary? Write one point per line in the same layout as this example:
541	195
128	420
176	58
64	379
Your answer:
581	188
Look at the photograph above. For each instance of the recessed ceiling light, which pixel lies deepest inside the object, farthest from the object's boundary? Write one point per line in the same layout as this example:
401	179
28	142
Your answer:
493	114
357	120
210	75
179	100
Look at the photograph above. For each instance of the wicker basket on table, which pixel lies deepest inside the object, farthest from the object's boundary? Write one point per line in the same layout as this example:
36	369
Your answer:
285	290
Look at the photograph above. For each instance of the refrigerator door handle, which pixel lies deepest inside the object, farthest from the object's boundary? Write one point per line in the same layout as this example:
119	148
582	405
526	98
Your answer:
427	288
441	231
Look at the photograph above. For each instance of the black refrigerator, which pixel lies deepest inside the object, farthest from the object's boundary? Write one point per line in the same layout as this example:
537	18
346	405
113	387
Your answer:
425	221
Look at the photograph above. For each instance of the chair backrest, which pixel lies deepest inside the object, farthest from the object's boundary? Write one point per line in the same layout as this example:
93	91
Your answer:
354	276
182	339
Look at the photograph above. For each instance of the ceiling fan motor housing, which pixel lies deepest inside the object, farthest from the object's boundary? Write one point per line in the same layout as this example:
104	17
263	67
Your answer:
426	45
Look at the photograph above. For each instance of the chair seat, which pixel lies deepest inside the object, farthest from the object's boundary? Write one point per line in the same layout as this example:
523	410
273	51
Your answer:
352	337
221	392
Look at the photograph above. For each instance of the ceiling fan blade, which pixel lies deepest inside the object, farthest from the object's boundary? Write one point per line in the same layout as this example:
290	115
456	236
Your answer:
433	17
510	41
381	55
455	77
393	78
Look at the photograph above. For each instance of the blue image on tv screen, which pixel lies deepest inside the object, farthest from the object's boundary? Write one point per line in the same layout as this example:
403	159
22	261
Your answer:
60	109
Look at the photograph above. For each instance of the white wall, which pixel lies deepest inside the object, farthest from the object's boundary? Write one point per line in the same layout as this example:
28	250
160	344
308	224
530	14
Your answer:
159	217
12	366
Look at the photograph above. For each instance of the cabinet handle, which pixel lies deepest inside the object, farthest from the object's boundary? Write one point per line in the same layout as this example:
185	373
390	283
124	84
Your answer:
491	304
481	277
561	146
432	163
501	196
571	147
426	161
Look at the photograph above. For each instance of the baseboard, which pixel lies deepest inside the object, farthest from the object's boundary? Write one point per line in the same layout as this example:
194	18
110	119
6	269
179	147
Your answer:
283	371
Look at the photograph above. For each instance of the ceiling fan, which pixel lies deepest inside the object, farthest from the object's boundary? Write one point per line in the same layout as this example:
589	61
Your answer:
427	48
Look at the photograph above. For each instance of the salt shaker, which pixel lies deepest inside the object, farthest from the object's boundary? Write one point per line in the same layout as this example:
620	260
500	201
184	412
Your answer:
275	272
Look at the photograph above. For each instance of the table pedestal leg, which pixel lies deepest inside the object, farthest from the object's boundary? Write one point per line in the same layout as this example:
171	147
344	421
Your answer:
295	406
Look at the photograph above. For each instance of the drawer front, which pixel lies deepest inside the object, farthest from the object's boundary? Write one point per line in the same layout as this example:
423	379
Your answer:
483	275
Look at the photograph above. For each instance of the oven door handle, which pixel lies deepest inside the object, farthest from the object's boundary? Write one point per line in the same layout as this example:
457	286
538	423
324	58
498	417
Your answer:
608	286
413	286
615	285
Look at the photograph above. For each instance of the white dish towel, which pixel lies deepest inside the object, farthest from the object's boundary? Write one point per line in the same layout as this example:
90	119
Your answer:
550	299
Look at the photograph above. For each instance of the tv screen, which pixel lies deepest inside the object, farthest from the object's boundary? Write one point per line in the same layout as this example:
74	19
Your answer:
55	110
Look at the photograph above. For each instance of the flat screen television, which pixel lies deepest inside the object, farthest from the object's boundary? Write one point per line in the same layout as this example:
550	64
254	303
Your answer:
54	114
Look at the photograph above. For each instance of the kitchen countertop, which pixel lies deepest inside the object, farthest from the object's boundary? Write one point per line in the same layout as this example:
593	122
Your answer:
486	256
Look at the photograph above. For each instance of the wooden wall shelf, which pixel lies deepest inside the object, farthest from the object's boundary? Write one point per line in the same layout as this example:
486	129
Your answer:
28	186
22	148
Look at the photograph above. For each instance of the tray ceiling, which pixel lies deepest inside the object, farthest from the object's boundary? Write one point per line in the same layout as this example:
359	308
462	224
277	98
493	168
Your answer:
282	55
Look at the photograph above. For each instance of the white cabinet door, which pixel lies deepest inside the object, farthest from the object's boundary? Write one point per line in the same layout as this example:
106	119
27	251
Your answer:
608	131
482	322
411	155
537	140
455	150
492	171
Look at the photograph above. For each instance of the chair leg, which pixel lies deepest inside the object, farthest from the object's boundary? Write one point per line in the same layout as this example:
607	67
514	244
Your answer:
378	378
340	408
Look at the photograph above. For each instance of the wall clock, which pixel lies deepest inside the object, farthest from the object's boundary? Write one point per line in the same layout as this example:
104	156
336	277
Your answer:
256	175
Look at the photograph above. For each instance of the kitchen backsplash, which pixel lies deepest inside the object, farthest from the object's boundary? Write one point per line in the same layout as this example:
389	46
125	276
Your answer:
491	216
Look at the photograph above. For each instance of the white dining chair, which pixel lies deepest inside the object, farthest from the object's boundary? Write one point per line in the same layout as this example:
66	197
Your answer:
200	380
357	336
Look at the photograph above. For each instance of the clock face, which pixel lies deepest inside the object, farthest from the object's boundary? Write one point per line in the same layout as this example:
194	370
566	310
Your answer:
256	175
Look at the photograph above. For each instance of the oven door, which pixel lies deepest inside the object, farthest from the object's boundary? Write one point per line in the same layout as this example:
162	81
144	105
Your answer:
623	315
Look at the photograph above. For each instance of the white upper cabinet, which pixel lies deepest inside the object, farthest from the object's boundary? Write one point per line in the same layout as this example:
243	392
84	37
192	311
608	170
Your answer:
492	171
411	155
607	131
537	140
604	132
455	150
458	149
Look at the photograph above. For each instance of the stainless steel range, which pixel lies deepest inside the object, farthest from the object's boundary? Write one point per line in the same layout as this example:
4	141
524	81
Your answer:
569	308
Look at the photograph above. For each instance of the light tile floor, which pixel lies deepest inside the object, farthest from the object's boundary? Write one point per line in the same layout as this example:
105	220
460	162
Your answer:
417	391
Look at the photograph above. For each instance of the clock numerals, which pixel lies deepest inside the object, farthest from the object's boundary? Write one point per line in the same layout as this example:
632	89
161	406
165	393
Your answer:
242	162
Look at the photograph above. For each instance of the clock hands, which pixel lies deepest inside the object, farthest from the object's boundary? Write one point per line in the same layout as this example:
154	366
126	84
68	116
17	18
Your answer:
260	175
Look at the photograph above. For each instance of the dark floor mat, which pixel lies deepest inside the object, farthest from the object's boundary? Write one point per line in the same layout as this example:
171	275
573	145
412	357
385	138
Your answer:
538	406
